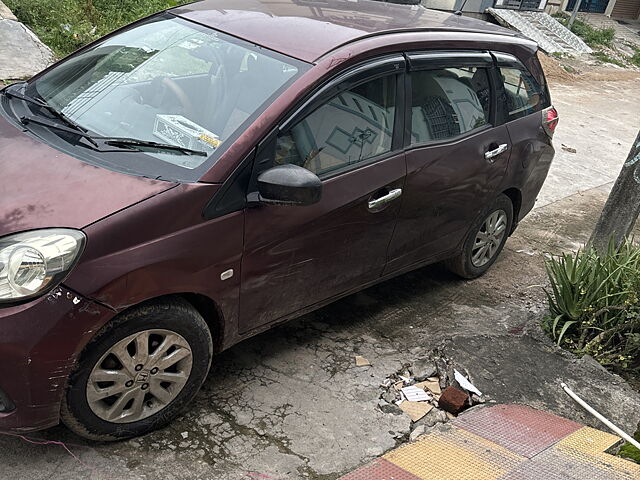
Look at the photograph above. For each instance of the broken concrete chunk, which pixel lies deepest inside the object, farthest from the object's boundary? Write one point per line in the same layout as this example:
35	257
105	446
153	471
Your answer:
362	362
423	369
432	418
453	400
419	430
416	410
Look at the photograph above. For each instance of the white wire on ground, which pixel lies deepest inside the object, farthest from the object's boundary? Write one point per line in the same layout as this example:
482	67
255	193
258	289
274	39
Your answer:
599	416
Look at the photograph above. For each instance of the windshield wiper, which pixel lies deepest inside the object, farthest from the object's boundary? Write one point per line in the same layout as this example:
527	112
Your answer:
129	144
147	144
49	108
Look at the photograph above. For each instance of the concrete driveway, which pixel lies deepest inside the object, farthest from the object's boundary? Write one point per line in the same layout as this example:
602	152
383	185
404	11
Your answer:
291	404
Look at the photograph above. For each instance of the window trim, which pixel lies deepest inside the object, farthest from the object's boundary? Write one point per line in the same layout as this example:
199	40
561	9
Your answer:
441	59
506	60
345	80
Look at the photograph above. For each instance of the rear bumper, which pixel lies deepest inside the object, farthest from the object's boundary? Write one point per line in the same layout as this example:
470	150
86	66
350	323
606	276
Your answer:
39	344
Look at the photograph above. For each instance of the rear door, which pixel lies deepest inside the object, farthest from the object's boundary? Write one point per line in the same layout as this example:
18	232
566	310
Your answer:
457	153
350	135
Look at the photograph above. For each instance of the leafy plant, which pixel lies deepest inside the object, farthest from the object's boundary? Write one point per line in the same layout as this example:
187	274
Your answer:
593	304
70	24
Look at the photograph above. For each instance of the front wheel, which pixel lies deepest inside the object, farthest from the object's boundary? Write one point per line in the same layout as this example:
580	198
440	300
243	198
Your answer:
485	240
139	372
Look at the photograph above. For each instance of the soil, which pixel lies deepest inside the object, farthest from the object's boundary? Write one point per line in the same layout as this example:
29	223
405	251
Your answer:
572	70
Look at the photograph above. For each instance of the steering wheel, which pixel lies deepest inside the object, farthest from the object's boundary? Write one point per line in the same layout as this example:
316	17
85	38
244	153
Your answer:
164	86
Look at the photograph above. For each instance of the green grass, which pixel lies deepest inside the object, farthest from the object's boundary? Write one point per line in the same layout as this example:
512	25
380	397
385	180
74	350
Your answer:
629	451
603	57
635	59
66	25
591	36
594	305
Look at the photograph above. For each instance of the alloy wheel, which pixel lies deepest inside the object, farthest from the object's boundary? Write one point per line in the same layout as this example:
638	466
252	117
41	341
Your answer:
139	376
489	238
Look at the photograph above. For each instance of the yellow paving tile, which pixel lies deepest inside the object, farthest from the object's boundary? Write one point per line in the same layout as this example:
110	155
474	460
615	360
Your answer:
588	445
454	454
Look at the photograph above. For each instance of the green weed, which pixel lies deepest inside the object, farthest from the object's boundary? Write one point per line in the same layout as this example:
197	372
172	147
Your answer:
603	57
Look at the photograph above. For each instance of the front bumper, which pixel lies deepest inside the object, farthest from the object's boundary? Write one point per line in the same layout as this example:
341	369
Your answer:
39	344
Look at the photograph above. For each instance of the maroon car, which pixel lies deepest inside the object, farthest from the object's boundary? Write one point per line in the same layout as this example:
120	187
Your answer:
208	172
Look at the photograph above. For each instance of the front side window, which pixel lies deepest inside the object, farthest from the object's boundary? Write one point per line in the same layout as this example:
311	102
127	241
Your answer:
168	80
448	102
523	96
352	127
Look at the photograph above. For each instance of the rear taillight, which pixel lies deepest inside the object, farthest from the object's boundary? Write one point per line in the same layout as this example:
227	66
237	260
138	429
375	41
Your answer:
550	120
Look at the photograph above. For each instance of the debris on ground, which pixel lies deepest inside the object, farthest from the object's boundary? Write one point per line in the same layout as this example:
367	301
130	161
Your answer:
415	410
362	362
429	391
465	383
414	393
568	149
453	400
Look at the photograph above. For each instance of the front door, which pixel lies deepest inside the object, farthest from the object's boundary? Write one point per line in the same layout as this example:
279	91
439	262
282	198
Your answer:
456	157
295	257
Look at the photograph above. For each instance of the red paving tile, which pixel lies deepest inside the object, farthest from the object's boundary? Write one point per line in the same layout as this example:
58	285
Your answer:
380	469
523	430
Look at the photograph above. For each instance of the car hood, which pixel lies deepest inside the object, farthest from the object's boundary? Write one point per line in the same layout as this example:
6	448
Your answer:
41	187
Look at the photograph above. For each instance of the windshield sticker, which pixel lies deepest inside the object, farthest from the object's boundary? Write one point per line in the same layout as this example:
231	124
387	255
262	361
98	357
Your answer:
181	131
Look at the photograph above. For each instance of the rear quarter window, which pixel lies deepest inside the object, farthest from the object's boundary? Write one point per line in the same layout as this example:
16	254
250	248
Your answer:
523	95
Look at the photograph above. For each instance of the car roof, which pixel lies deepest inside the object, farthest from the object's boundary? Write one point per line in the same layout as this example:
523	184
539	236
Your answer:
309	29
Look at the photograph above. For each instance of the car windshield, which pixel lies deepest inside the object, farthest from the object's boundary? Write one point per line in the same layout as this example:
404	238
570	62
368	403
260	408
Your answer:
168	81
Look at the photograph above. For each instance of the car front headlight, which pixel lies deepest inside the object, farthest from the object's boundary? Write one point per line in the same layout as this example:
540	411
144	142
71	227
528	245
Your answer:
31	263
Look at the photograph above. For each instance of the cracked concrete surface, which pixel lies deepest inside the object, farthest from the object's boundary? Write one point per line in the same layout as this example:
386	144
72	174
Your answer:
290	403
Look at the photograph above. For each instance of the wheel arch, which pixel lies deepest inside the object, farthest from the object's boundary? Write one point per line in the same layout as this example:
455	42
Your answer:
515	195
205	306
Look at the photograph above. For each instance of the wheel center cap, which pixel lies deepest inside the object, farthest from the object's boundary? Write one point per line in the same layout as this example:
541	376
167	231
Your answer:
142	376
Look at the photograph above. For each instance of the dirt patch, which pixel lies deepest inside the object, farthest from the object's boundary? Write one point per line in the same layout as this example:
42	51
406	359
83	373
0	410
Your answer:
572	70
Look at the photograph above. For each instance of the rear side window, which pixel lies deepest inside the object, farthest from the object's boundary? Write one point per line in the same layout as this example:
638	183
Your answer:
352	127
448	102
523	94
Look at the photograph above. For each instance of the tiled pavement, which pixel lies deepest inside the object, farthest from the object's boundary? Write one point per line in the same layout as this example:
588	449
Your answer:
504	442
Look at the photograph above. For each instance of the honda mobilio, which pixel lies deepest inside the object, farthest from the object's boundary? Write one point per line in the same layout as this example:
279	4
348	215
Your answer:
203	174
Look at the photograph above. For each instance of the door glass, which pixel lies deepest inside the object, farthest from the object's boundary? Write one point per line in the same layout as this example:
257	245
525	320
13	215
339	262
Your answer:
523	95
352	127
448	102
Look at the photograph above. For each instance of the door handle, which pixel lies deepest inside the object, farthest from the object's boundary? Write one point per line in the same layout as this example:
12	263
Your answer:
389	197
494	153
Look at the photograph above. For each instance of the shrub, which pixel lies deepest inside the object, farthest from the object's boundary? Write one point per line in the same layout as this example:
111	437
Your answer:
593	304
70	24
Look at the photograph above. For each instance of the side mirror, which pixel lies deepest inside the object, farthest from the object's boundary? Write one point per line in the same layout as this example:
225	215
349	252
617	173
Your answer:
289	185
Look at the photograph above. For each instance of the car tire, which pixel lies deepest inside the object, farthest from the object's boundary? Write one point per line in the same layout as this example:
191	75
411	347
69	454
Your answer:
471	263
178	356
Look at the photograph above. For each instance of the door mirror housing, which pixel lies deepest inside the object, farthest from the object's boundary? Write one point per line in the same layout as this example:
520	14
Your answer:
289	185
